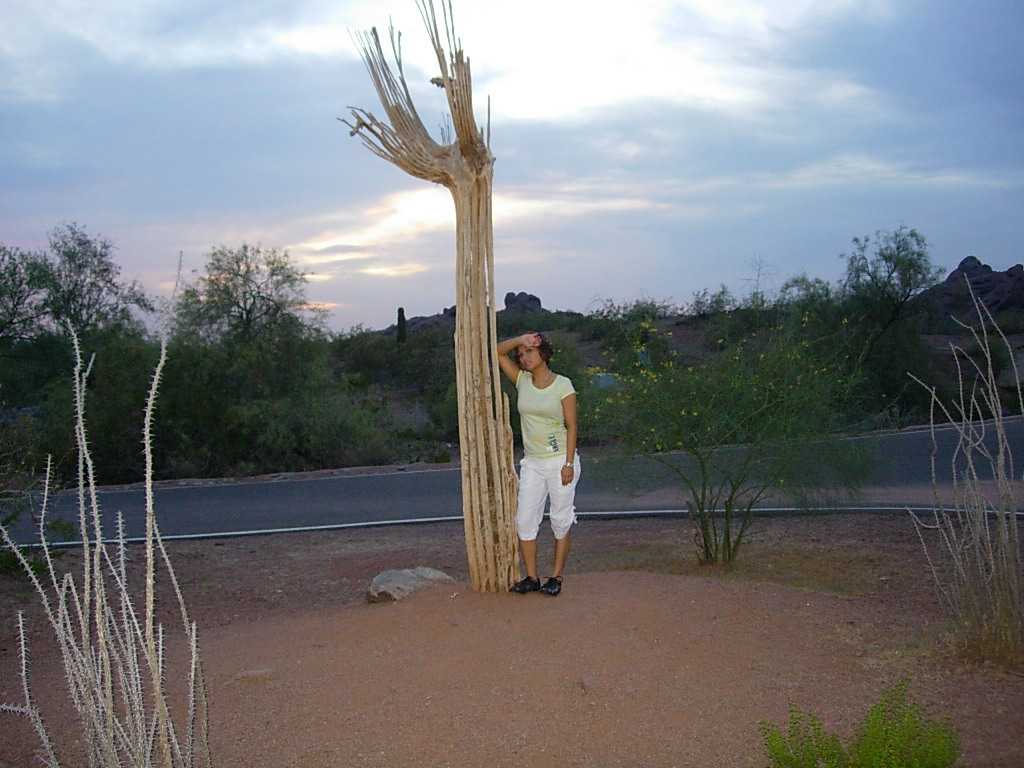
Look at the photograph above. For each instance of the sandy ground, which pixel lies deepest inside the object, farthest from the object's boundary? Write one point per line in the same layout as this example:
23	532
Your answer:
644	660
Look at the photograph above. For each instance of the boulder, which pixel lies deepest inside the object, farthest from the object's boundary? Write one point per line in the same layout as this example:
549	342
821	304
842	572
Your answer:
392	586
522	302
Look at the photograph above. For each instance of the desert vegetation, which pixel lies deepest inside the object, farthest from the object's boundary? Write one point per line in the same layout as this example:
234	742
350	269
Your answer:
895	732
748	392
255	382
979	565
115	652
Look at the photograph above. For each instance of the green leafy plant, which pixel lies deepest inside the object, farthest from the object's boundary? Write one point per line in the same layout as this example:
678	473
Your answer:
756	418
630	333
895	734
879	307
19	487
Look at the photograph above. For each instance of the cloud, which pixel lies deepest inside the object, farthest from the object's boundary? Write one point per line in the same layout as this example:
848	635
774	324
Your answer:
657	149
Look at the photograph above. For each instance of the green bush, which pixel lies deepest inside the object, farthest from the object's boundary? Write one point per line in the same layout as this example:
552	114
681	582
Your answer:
895	734
424	363
239	410
444	410
517	322
119	360
629	333
19	482
758	418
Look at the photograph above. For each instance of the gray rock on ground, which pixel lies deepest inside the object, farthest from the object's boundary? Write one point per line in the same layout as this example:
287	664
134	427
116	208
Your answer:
392	586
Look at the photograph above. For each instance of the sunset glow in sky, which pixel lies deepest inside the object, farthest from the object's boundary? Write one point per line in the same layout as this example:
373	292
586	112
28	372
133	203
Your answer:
644	149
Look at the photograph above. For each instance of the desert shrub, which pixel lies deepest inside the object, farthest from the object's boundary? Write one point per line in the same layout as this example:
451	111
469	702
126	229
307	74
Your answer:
517	322
29	367
1010	322
20	485
424	363
423	367
370	357
629	333
119	360
444	410
118	381
242	410
756	418
705	304
978	565
309	431
895	734
118	660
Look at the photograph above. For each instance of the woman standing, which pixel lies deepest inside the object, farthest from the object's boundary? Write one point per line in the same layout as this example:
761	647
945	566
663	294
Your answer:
550	467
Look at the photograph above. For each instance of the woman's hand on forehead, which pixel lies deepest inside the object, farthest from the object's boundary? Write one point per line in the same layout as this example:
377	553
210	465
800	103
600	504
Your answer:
530	340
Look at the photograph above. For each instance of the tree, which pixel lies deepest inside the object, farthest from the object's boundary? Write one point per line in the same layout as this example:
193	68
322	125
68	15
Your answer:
23	282
881	285
74	289
247	293
876	299
875	311
751	420
466	168
249	386
84	291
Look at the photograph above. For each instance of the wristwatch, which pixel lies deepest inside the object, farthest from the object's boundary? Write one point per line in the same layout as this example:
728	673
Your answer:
569	464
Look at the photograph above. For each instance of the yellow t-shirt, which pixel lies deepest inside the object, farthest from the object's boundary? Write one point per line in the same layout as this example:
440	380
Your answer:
540	413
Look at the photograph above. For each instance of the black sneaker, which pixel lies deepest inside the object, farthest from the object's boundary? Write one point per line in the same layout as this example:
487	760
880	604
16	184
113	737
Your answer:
552	586
526	585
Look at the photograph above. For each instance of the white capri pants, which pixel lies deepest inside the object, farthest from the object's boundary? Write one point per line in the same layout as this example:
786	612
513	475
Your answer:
540	479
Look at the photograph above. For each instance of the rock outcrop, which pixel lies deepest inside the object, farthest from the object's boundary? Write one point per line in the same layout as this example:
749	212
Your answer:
514	302
1000	292
522	302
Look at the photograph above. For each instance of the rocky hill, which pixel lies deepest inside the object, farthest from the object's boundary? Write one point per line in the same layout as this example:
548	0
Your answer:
1002	293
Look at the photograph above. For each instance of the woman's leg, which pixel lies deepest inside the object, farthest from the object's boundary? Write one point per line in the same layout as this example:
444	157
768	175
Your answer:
561	555
563	515
528	549
533	494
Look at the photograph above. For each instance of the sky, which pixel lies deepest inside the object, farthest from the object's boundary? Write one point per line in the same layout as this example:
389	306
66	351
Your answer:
643	150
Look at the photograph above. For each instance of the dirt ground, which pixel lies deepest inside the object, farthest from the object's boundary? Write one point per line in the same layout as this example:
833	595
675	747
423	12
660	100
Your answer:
644	660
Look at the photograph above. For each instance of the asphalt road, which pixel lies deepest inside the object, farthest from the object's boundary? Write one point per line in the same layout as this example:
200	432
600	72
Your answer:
903	459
